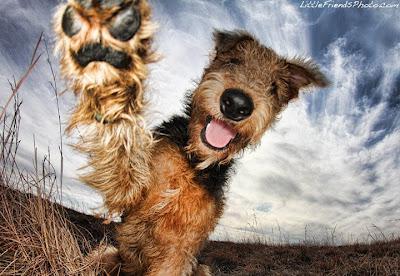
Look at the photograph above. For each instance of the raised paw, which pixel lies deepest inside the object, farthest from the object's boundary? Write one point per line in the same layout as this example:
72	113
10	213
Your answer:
105	46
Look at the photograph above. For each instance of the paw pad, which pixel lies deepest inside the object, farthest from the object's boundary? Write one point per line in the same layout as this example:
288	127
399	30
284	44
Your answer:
125	24
70	23
122	25
98	52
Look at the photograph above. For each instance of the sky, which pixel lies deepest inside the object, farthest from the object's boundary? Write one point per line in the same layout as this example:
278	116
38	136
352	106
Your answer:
332	161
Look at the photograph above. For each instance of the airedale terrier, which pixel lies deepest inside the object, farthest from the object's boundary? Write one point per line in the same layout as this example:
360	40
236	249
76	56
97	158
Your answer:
240	95
105	46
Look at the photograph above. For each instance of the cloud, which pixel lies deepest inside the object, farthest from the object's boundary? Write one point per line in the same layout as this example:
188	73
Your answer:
339	148
184	39
21	25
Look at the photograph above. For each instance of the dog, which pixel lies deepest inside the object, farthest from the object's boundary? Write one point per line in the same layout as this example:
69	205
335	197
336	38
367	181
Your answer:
105	47
241	93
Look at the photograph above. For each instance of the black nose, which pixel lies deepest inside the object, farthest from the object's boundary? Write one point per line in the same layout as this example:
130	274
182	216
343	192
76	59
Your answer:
236	105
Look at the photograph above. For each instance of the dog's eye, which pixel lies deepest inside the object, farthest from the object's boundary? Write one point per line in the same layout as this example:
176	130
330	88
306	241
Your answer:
273	89
234	61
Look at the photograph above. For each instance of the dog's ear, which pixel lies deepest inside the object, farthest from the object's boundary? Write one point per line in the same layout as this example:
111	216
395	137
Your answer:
227	40
302	74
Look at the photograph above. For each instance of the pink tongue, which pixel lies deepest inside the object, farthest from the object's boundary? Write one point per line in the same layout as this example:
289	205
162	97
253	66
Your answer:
219	134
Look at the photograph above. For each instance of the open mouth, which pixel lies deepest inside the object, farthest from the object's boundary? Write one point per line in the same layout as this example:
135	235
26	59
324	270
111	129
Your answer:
217	134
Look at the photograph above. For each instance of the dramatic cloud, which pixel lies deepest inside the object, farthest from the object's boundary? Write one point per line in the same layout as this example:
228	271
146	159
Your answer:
331	161
21	23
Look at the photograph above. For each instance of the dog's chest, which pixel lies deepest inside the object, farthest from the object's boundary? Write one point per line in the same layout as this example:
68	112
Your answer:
176	194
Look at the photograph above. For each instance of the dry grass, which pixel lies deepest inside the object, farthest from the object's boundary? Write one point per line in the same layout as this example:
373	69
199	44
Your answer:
228	258
36	238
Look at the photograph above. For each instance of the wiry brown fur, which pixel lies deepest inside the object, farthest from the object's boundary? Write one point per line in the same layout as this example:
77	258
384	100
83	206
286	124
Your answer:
118	162
163	234
118	146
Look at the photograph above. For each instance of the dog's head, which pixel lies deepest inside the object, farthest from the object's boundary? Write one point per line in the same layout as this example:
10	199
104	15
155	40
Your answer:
240	95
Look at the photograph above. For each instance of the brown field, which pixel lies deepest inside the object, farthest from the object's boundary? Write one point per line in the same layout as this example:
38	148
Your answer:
229	258
225	258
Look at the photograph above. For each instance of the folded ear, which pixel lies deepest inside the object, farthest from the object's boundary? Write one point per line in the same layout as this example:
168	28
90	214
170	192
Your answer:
227	40
302	74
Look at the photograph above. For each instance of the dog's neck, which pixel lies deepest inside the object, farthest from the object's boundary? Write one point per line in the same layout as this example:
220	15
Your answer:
213	178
